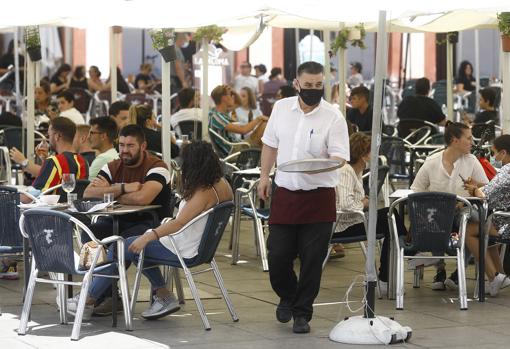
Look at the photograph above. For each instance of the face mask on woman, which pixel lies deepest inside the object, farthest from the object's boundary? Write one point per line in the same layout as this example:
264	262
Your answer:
496	163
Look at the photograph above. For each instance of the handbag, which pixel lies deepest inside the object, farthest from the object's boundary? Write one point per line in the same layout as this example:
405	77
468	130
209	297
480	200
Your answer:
89	251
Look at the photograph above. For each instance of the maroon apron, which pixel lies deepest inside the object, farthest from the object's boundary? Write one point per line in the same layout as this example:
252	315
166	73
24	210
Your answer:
303	206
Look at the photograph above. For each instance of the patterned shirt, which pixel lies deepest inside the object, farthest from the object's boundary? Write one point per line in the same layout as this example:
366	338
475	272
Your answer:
54	166
349	197
498	197
217	122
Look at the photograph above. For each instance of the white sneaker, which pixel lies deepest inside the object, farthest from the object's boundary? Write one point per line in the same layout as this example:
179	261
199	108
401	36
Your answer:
72	305
499	282
161	307
383	289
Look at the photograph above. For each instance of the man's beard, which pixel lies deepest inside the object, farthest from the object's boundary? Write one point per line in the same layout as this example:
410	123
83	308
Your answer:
131	161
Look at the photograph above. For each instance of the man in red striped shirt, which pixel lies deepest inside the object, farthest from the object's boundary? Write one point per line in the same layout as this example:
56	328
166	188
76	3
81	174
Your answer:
60	137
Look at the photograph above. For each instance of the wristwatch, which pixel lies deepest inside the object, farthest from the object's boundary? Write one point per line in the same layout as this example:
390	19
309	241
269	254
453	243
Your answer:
24	164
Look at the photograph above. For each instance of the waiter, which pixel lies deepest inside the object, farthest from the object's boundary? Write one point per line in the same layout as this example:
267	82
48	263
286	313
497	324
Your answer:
303	205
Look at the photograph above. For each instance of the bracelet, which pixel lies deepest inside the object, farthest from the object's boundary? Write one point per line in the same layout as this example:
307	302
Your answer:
155	233
122	189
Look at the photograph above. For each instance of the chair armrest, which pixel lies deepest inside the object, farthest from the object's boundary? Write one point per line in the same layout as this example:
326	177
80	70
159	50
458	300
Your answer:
231	157
110	239
50	190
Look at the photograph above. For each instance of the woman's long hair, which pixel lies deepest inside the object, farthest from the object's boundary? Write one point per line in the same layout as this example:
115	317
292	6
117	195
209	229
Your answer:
201	167
462	70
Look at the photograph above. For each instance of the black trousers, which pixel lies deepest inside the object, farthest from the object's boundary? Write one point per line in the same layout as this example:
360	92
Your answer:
381	228
285	243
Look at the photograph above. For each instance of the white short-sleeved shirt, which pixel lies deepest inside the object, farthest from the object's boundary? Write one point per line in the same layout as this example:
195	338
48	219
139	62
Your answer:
321	134
432	176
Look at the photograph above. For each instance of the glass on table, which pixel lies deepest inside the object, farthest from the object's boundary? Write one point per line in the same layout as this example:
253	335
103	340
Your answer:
108	199
68	185
71	198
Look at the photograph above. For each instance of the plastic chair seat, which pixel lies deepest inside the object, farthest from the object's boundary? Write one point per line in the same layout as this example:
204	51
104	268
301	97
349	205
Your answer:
262	213
11	249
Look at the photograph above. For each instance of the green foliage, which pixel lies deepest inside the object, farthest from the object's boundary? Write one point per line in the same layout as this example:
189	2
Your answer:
162	37
32	38
210	33
504	23
450	37
343	38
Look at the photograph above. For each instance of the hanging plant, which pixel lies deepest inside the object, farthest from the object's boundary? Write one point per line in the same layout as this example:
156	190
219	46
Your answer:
33	42
504	28
163	40
210	33
451	37
356	36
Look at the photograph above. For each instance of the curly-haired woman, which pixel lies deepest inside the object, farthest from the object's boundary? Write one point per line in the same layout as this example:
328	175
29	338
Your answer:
203	187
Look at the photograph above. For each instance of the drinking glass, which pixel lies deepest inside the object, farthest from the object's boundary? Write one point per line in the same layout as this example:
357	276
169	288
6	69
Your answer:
68	185
185	139
108	198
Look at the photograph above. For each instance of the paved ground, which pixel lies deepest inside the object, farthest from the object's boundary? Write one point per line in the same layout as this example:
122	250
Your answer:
434	316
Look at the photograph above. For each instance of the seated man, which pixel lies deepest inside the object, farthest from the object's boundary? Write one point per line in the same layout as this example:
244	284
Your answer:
189	111
102	134
137	178
81	143
421	106
60	136
220	120
487	104
355	79
65	101
119	111
361	112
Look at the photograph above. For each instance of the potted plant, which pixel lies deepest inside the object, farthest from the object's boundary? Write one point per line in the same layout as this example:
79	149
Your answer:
453	37
504	28
163	40
355	35
33	42
210	33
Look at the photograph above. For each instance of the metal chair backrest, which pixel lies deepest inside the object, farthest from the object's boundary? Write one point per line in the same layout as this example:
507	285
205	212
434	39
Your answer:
435	139
79	189
51	237
419	136
382	172
191	128
406	126
214	228
248	158
489	128
439	95
393	148
431	215
10	213
82	99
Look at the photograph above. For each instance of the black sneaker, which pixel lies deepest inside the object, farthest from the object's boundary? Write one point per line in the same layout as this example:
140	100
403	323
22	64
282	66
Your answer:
300	325
283	312
452	283
439	279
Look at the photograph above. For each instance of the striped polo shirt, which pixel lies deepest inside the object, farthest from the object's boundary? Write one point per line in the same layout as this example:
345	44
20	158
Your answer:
217	122
54	166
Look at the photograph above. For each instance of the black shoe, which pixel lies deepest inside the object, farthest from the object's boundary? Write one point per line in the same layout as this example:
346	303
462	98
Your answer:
452	282
300	325
439	279
283	312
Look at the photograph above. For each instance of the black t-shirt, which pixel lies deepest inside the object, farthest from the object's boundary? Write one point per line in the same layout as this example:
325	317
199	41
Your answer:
153	139
420	107
143	77
363	121
466	82
79	84
89	156
486	115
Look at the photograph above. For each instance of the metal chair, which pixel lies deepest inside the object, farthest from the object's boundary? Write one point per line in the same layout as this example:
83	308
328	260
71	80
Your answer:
192	128
435	139
234	147
486	129
431	215
257	215
406	126
217	220
382	183
418	136
51	238
11	242
395	151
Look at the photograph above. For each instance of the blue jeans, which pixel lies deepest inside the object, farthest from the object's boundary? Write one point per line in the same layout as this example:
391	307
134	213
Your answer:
153	250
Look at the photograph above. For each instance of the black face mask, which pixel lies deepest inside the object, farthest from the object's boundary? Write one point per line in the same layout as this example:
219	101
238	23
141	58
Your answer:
311	96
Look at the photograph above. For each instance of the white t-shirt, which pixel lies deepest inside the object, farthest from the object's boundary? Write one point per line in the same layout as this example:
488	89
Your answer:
243	114
432	176
321	134
246	81
192	114
74	115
